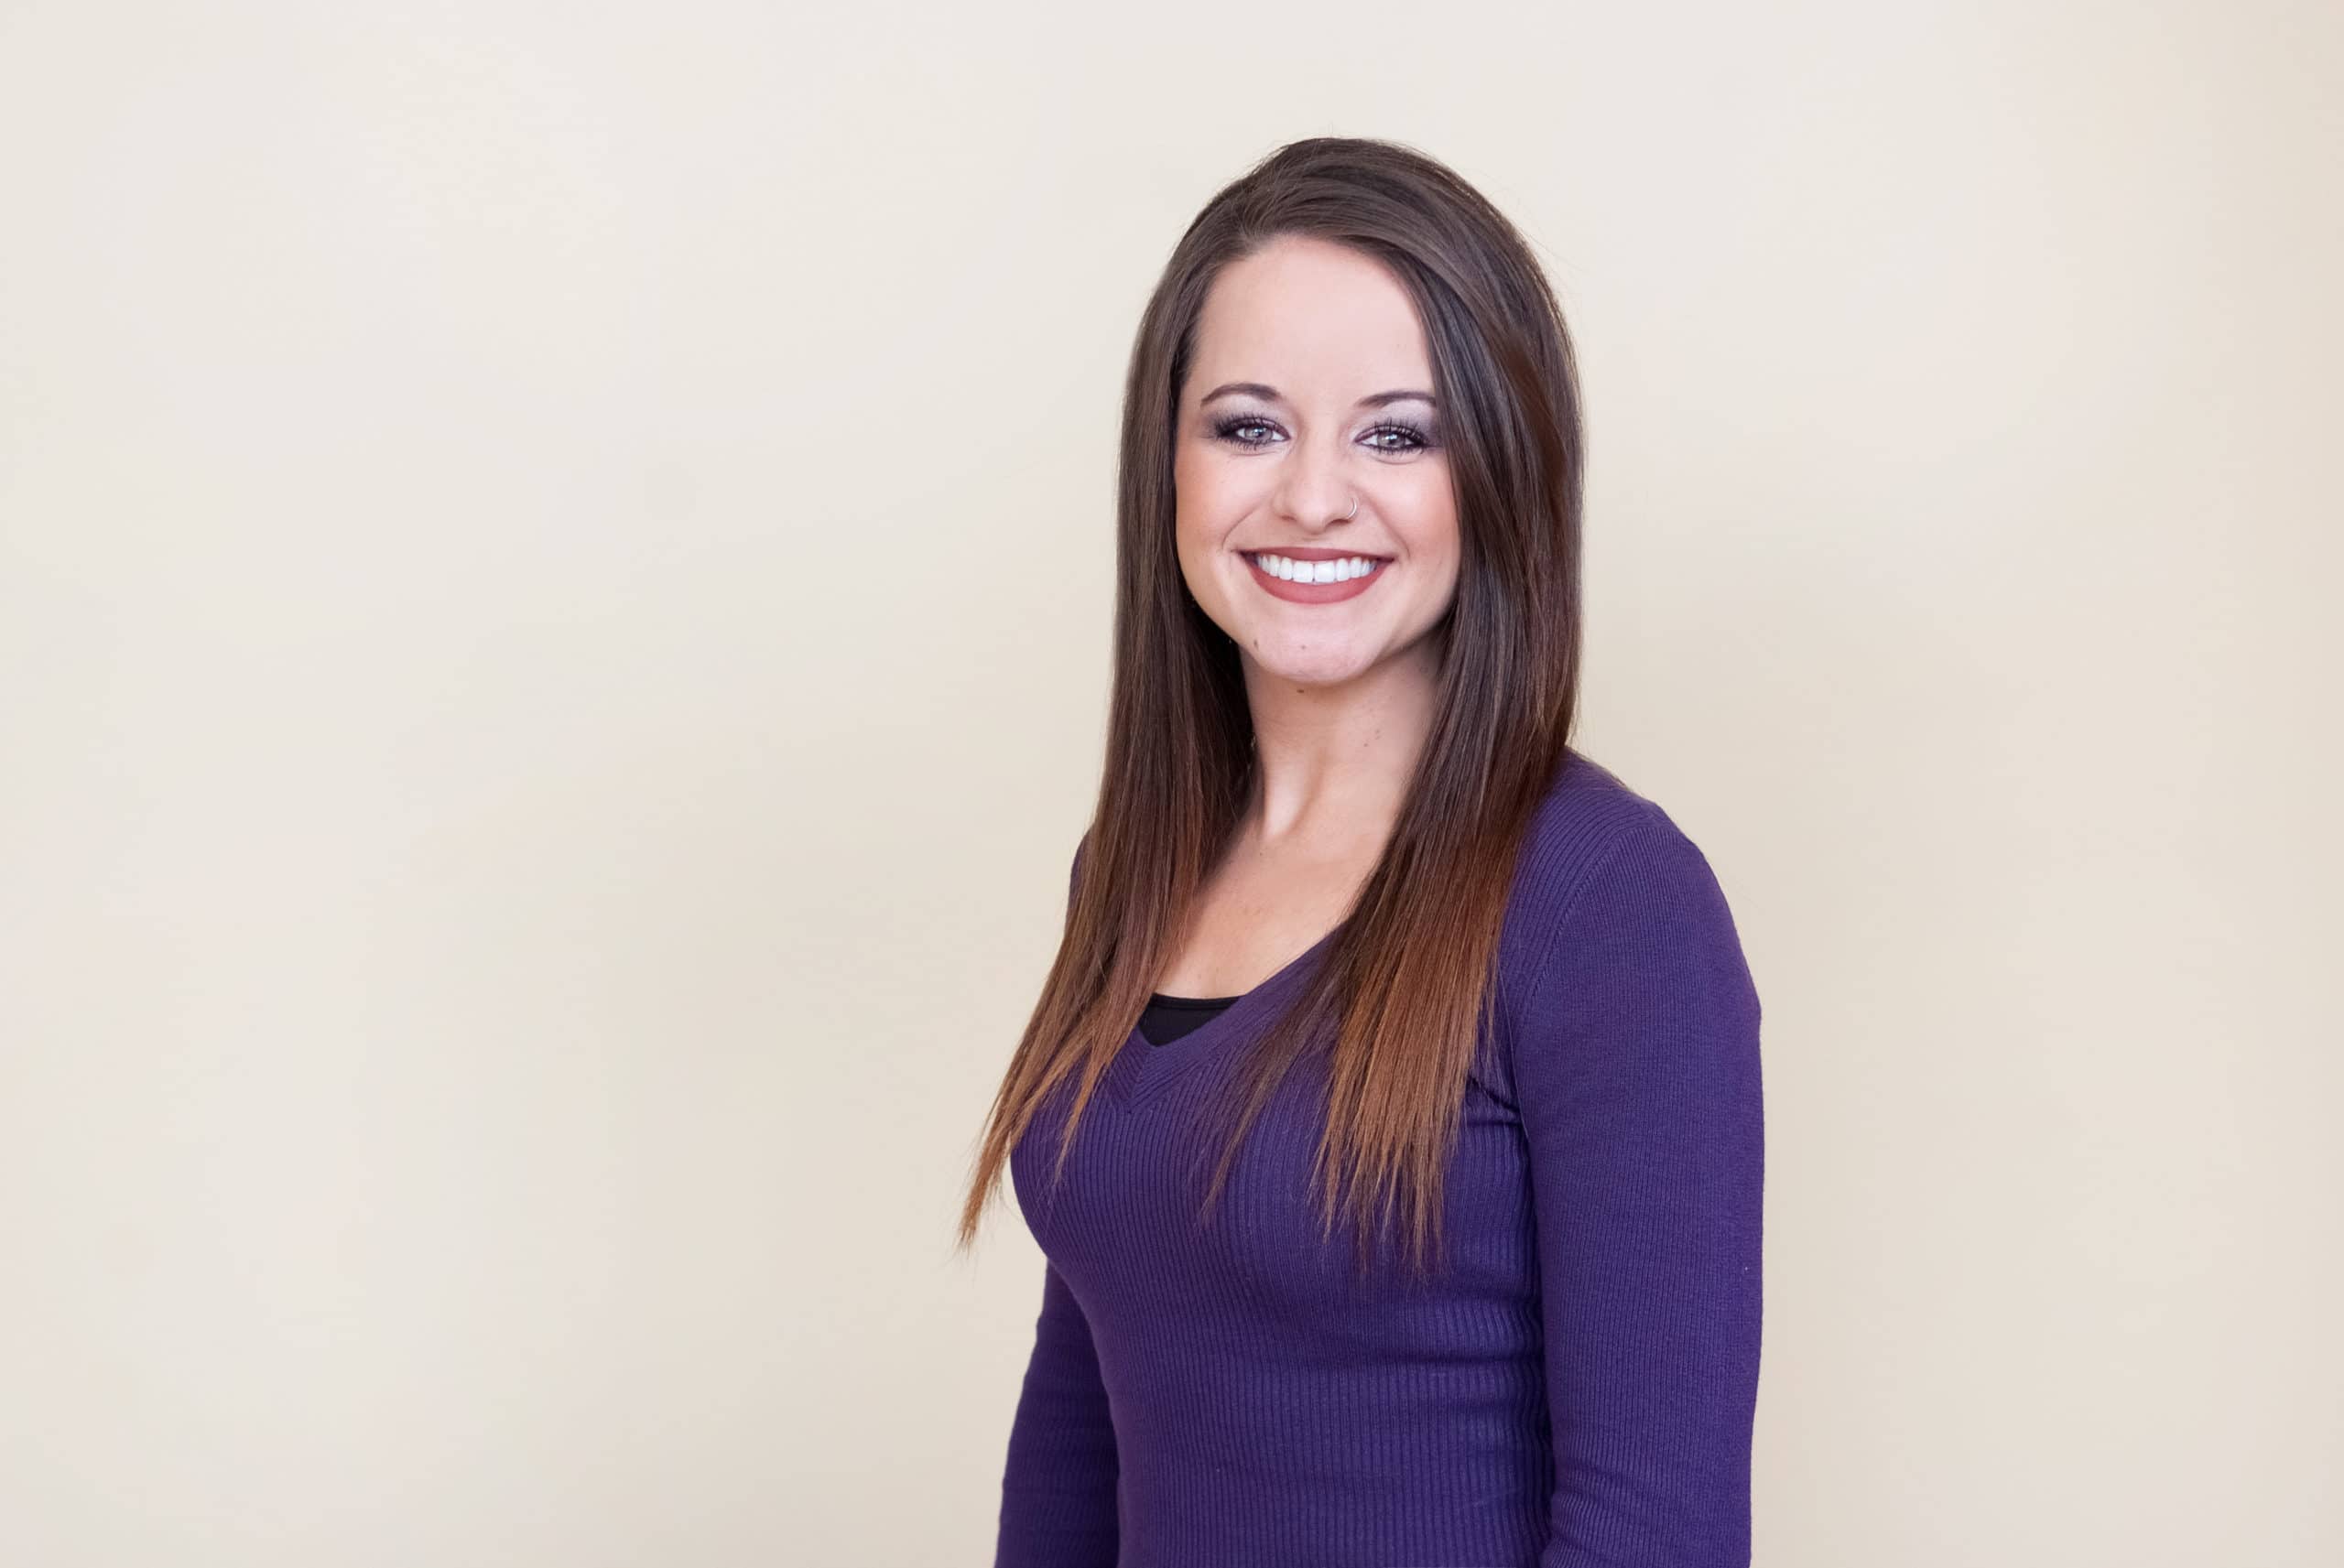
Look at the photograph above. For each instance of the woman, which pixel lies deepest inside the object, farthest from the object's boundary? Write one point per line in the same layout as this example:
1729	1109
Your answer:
1356	938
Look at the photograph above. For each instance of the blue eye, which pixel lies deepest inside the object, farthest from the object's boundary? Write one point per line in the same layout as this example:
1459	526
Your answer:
1227	428
1419	440
1415	438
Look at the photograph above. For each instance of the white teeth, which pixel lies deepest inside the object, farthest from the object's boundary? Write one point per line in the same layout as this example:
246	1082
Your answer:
1342	570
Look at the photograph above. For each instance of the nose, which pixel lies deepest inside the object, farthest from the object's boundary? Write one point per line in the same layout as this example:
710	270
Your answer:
1317	489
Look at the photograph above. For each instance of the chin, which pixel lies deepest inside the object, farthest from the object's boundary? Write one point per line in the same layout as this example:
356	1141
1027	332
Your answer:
1307	666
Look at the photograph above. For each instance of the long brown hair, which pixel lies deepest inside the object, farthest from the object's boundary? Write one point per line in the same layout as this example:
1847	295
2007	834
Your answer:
1408	975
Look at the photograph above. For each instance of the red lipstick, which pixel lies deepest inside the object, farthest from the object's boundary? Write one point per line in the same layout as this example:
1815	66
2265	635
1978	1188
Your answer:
1315	592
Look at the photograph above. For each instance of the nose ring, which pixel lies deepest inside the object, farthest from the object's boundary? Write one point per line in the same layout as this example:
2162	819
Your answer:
1355	511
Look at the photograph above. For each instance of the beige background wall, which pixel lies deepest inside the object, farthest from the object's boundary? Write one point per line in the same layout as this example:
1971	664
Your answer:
553	591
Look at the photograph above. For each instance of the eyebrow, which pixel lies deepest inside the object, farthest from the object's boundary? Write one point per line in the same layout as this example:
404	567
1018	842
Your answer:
1270	393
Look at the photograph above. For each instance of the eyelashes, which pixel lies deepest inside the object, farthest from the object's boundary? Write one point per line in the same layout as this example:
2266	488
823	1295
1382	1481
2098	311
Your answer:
1418	439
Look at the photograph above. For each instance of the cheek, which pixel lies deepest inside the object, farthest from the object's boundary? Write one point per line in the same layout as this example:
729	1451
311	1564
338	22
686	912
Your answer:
1192	530
1204	488
1192	499
1424	508
1432	533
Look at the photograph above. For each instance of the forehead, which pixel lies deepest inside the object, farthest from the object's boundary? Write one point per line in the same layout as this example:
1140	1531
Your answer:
1319	321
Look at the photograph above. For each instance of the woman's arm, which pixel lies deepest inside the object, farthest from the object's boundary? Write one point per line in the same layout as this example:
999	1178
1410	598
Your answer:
1636	1076
1057	1490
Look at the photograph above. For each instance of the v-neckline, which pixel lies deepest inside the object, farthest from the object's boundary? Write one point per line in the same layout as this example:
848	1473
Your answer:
1142	1067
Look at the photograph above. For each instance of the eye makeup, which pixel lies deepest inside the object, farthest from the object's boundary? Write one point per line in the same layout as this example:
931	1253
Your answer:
1418	437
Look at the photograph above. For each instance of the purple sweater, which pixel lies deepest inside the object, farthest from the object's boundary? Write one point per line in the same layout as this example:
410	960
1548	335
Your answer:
1578	1390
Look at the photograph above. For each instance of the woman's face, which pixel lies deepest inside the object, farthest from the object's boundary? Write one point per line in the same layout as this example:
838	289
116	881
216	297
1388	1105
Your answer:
1288	415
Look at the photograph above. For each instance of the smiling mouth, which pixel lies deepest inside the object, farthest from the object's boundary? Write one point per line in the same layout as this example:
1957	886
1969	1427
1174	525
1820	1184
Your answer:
1327	569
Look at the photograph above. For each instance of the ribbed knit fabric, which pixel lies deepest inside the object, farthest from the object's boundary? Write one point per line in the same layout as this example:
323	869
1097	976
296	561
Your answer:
1577	1390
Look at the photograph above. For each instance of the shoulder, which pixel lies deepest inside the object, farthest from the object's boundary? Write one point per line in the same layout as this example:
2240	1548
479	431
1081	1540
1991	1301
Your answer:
1588	817
1609	886
1586	812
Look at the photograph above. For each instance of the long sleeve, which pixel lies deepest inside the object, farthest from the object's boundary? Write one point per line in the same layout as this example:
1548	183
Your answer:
1059	1484
1636	1075
1057	1490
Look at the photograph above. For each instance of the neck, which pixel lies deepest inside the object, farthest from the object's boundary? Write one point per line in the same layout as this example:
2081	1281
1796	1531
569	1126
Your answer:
1333	761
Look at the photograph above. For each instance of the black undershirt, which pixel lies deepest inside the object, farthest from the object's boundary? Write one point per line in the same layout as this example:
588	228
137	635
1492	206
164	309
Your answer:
1168	1017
